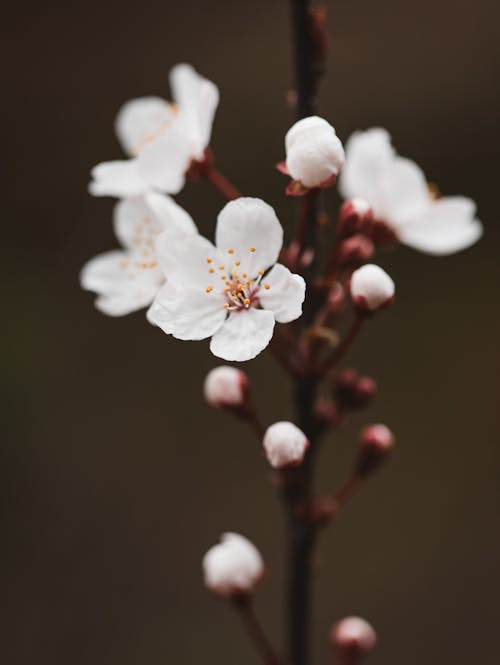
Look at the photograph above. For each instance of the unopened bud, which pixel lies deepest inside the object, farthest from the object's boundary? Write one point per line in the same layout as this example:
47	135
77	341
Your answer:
356	250
375	444
356	216
226	387
352	637
314	153
234	567
284	444
326	411
335	299
371	288
353	391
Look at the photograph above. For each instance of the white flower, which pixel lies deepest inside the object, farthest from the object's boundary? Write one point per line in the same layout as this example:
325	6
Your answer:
224	291
225	387
285	444
314	153
397	190
233	567
371	287
162	138
128	279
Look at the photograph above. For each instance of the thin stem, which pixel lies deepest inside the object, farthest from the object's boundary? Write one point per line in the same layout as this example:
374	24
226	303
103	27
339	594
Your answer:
347	490
221	183
343	347
256	633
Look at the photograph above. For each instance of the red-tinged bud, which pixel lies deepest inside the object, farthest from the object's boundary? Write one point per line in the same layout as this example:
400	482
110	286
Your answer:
375	445
371	289
226	388
355	250
356	216
326	412
352	638
353	391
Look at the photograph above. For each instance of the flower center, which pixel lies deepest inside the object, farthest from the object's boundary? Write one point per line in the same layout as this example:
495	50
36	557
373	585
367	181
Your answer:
240	287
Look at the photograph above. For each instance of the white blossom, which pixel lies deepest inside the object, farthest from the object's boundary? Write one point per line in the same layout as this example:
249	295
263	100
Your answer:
314	153
225	387
229	291
128	279
284	444
398	191
162	138
371	287
233	567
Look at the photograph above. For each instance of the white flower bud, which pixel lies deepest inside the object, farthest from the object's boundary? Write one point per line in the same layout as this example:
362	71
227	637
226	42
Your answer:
284	444
233	567
371	288
354	635
225	387
314	153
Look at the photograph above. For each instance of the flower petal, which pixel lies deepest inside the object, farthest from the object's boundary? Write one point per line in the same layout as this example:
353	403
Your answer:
118	178
140	120
285	294
243	335
249	227
403	191
123	283
163	162
187	259
447	226
187	313
198	99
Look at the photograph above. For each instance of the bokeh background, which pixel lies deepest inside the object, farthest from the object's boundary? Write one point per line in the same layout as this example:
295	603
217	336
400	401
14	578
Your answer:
115	477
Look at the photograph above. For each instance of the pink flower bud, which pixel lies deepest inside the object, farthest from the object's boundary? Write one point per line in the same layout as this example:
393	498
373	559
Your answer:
353	637
225	387
353	391
371	288
356	216
284	445
376	442
356	249
314	153
234	567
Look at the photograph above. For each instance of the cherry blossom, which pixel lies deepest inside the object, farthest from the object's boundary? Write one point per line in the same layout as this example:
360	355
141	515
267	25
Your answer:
398	191
128	279
162	138
233	292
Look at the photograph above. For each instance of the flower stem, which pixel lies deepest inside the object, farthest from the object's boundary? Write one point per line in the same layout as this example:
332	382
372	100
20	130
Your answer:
221	183
343	347
256	632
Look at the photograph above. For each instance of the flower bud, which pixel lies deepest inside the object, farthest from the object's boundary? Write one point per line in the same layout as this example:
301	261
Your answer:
225	387
375	444
353	391
353	637
356	216
314	153
233	568
284	445
371	288
356	250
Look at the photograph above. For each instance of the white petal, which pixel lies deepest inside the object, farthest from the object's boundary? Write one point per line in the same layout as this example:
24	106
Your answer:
306	128
122	282
249	223
367	154
403	191
448	225
119	178
243	335
187	313
139	120
164	162
169	214
197	98
187	258
285	295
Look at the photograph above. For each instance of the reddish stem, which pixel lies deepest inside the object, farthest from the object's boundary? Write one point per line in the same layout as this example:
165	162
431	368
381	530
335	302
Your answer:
256	633
221	183
343	347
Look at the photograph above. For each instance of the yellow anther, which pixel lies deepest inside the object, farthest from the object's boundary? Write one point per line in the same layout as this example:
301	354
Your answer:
230	250
227	289
246	301
221	267
252	248
211	270
209	260
208	289
237	263
267	286
260	271
244	275
226	305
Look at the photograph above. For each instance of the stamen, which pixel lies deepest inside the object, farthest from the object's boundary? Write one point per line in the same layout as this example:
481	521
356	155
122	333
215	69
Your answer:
208	289
237	263
221	267
230	250
212	270
252	248
260	271
209	260
246	301
267	286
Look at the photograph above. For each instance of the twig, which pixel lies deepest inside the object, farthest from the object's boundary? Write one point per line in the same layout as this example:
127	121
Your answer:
256	633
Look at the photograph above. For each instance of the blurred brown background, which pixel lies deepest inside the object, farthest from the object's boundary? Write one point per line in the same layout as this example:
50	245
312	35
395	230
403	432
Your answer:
115	477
